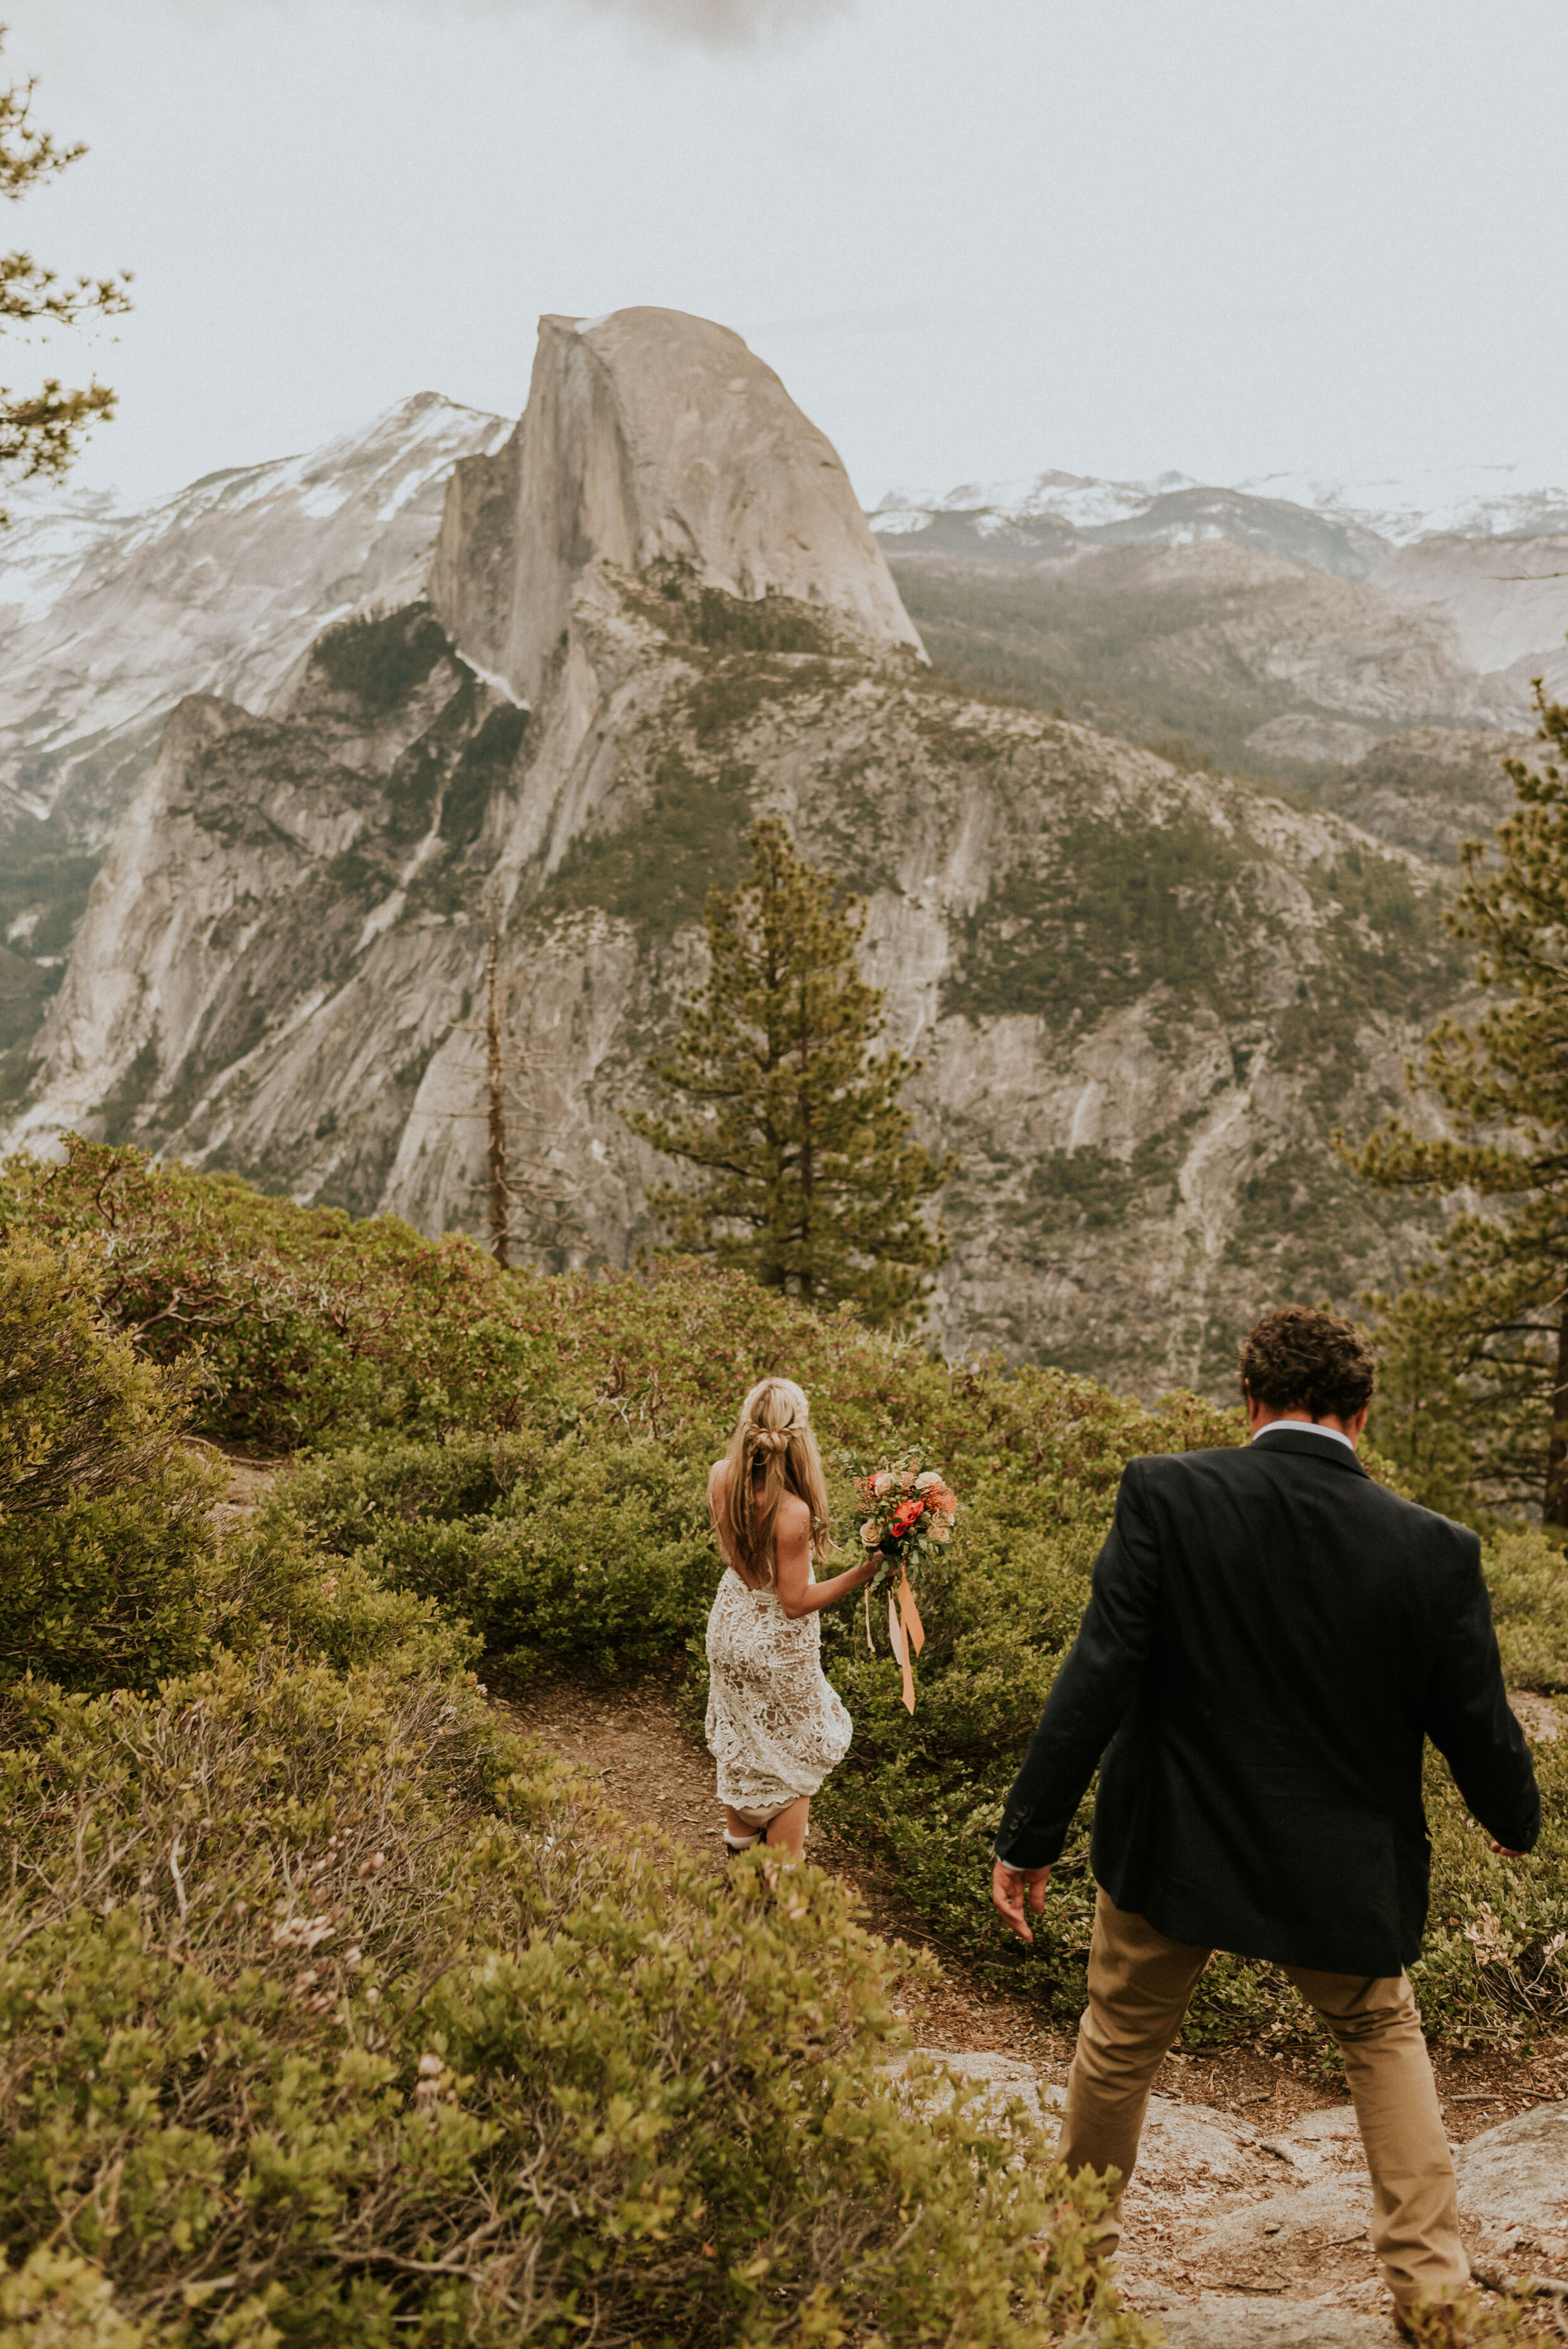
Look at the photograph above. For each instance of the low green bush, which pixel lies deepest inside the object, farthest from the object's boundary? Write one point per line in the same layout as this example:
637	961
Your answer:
1528	1578
334	2014
515	1465
602	1549
106	1550
305	1324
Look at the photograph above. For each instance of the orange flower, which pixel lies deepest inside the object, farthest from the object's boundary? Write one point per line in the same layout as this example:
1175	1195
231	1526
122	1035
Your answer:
904	1516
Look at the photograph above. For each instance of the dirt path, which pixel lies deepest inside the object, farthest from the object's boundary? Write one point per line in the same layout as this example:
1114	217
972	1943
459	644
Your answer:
251	1475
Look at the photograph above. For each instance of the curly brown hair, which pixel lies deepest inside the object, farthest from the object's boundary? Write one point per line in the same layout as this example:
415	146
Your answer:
1296	1359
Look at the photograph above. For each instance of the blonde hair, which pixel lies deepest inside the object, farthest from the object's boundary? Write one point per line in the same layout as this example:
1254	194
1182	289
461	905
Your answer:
772	1439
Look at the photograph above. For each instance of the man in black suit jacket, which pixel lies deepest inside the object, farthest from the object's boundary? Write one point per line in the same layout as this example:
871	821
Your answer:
1271	1637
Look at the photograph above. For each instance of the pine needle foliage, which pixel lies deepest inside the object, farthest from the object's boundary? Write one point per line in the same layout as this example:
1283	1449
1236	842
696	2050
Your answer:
792	1117
41	431
1485	1324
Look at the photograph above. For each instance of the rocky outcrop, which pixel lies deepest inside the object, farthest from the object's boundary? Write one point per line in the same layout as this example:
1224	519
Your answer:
650	441
1257	662
1244	2234
1428	787
1506	598
1271	636
106	620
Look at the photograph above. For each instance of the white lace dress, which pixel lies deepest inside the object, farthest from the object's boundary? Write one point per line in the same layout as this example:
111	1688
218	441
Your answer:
774	1726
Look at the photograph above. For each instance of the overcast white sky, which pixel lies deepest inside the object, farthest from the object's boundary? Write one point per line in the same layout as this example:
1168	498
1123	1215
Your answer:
976	237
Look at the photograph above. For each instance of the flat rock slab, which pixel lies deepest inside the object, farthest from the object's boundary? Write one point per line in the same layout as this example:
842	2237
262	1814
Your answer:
1254	2324
1237	2241
1516	2176
1180	2138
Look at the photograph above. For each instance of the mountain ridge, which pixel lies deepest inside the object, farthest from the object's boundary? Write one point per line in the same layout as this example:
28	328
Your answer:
1144	994
106	619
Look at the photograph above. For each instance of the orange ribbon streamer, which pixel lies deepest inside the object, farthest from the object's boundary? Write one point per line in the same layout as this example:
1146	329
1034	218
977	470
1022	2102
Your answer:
905	1629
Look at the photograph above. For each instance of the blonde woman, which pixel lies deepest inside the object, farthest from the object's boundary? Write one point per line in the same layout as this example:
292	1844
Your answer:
774	1726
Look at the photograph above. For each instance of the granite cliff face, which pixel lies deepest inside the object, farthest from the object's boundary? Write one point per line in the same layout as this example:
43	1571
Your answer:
106	620
650	439
1144	995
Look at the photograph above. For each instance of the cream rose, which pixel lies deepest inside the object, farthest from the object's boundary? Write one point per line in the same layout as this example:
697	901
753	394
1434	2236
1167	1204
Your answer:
870	1533
940	1529
884	1482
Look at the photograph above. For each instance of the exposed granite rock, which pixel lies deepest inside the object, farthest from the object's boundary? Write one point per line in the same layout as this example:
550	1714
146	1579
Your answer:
106	619
1244	2323
1514	2179
650	439
1428	787
1144	996
1238	2241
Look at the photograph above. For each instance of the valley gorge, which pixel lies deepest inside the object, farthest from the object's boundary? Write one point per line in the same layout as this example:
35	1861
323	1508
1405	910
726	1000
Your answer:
1145	989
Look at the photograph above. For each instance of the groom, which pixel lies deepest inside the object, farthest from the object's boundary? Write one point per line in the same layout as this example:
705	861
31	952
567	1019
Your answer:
1270	1638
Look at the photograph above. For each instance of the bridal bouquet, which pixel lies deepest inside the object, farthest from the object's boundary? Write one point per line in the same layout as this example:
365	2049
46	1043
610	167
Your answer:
908	1508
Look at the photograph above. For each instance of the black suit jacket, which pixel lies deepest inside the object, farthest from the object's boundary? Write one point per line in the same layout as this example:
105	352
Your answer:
1270	1637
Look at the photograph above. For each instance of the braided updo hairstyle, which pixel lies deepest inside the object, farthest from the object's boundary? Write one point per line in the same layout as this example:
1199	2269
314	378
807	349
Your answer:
773	1441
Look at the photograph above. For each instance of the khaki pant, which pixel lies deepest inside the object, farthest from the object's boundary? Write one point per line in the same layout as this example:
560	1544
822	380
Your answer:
1139	1987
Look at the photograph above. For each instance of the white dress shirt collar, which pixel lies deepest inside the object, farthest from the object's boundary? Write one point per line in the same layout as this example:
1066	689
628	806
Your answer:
1303	1427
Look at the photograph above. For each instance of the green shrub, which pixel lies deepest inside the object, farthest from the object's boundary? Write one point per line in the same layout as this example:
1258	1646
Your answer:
55	2301
1527	1575
105	1548
307	1325
335	2016
525	1457
598	1547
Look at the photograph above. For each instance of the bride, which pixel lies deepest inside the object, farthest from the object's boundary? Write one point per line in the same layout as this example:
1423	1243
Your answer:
774	1725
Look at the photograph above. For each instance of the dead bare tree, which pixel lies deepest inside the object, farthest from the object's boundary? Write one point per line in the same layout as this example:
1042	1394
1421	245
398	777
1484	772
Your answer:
523	1187
497	988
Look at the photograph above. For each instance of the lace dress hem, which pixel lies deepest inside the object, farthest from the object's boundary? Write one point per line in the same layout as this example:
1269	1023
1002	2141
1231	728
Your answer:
774	1727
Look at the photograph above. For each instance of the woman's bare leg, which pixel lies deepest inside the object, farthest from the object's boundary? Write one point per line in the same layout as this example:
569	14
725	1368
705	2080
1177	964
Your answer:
735	1826
788	1829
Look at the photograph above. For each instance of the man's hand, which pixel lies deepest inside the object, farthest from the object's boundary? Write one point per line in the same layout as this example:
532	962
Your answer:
1009	1887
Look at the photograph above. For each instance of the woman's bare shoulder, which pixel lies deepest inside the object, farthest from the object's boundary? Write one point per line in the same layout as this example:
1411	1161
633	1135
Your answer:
794	1514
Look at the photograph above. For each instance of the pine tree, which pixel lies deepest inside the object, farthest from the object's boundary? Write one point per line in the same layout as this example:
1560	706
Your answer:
1489	1314
41	431
808	1179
